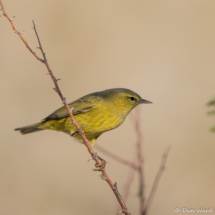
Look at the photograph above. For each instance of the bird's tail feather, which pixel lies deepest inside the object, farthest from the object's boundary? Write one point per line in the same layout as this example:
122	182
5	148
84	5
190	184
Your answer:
30	128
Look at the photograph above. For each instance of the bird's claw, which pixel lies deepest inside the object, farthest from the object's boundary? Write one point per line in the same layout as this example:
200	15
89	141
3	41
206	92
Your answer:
101	166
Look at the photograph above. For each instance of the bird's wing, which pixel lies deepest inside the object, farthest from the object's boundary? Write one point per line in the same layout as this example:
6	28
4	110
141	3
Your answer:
81	105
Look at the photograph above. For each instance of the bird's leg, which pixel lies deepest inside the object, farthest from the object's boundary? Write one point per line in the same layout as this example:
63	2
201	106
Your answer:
78	131
99	167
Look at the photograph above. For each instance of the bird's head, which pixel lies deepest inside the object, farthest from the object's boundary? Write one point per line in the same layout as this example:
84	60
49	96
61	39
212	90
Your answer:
123	99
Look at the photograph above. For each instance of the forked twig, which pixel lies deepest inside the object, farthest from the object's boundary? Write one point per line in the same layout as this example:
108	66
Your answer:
57	89
18	32
144	206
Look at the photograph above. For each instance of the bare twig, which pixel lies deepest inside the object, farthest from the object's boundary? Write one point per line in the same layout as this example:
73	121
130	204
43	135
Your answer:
130	178
57	89
127	186
18	32
157	179
140	162
117	158
144	206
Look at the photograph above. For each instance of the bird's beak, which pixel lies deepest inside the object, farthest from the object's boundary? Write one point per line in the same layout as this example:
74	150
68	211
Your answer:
143	101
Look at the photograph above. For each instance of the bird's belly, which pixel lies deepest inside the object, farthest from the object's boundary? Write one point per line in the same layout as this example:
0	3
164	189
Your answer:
99	122
94	123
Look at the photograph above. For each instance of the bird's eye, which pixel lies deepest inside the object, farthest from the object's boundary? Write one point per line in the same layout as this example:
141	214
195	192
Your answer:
132	98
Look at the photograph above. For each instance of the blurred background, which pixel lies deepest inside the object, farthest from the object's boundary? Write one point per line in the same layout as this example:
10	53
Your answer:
163	50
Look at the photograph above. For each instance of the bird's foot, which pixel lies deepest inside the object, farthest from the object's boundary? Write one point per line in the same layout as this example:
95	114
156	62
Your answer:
99	167
78	131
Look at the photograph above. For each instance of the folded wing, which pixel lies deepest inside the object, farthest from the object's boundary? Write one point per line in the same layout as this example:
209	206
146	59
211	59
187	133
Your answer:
80	106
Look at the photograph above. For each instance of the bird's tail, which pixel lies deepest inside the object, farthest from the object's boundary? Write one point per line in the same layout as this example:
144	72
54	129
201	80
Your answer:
30	128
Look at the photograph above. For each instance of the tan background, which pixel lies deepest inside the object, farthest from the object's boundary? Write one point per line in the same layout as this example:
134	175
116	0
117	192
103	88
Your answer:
163	50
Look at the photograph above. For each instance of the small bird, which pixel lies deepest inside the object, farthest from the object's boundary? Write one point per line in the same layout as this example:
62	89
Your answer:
96	112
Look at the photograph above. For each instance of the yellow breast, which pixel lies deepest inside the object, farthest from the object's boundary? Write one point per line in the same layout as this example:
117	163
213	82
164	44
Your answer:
95	122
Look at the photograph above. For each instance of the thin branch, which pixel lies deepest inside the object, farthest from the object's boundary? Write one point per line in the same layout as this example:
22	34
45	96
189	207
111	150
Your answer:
57	89
117	158
18	32
140	162
144	207
130	178
127	186
157	179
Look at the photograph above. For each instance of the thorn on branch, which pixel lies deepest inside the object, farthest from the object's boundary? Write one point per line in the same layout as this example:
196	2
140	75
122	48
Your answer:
50	72
115	186
55	89
123	211
103	177
79	131
89	159
12	18
64	101
4	13
94	155
72	122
